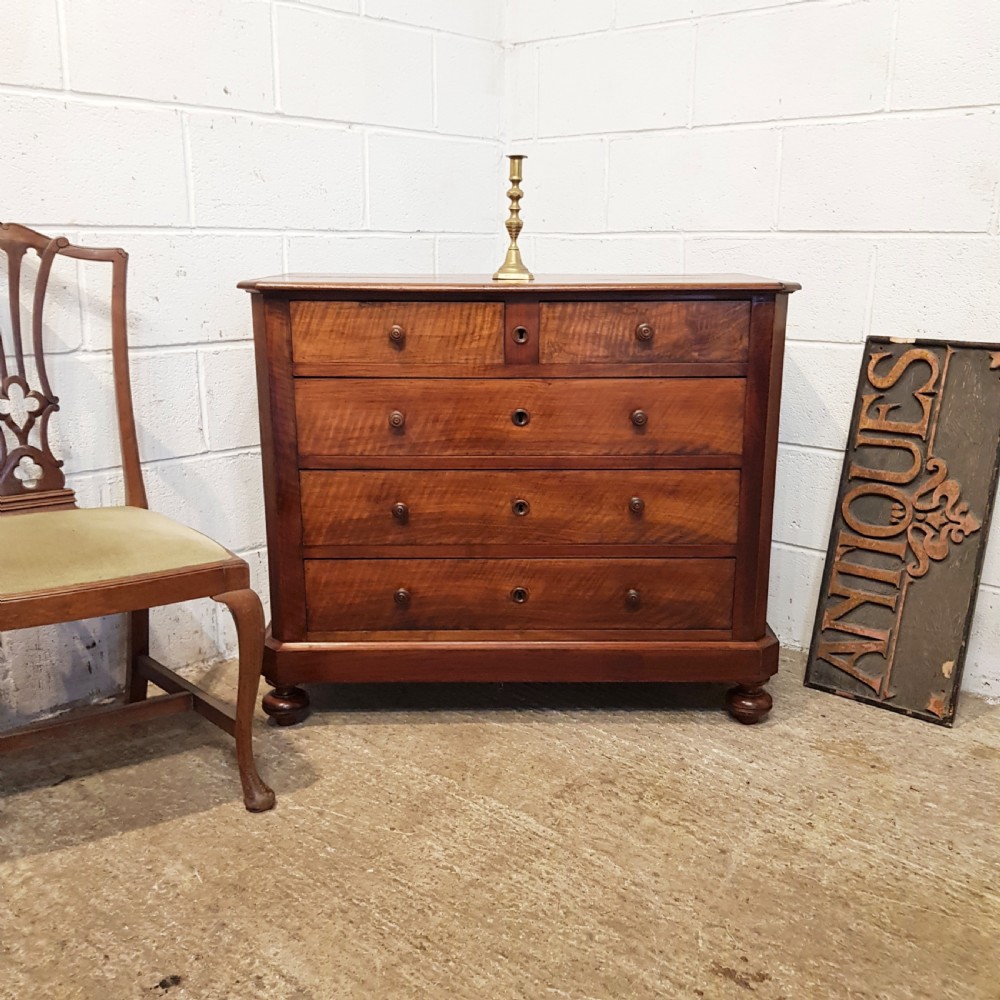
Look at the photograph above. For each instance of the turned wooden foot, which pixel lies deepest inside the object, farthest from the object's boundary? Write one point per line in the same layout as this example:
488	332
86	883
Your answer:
286	705
748	703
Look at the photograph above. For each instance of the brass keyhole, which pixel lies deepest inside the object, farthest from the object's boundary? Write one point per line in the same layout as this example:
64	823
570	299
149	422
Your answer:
520	507
520	335
520	418
519	595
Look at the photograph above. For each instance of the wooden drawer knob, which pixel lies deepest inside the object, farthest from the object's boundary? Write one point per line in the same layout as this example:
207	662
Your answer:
400	511
520	507
632	599
519	595
397	335
637	505
520	418
644	332
402	597
397	420
639	418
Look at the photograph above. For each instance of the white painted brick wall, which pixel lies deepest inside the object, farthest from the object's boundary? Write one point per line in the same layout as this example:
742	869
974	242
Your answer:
853	145
216	142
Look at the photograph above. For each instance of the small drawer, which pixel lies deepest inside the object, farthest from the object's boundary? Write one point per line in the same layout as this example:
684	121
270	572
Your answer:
636	332
444	594
397	333
519	417
458	507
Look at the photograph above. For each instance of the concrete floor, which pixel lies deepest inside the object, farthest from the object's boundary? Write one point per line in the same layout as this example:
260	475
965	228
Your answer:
512	842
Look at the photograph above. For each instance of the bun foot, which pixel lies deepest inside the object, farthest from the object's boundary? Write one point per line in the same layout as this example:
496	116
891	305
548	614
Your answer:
286	705
748	703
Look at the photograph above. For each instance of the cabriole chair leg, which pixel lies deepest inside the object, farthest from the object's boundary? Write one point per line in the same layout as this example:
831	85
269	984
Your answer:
248	615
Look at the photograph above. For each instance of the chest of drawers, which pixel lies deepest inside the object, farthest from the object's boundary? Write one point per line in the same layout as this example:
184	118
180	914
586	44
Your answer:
568	480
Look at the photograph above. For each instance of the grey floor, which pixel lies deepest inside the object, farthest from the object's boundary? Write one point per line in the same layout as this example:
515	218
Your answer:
508	842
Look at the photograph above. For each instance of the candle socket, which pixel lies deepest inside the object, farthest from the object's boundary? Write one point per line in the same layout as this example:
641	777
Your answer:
512	268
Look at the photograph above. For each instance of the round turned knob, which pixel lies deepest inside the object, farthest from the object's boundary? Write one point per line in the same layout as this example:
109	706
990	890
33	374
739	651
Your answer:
396	334
644	332
402	597
397	419
520	417
639	418
400	511
520	507
632	599
519	335
519	595
637	505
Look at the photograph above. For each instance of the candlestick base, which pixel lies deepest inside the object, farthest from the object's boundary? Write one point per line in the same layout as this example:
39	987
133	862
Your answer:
513	269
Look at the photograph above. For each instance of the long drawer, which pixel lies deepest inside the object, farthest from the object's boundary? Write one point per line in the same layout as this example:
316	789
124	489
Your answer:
425	594
515	417
633	332
461	507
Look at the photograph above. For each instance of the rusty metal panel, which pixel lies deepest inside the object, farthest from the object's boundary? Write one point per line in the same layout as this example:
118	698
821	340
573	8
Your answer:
910	527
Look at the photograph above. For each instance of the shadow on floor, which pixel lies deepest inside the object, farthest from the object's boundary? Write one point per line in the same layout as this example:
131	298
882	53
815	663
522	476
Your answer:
379	702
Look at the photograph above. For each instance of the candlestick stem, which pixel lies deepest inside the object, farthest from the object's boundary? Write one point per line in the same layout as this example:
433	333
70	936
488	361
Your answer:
513	269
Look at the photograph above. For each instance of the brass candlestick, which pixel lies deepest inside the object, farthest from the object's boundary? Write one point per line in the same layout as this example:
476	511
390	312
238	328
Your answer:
513	269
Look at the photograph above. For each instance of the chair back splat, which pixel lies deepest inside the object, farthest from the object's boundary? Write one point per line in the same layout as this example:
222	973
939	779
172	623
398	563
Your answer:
31	477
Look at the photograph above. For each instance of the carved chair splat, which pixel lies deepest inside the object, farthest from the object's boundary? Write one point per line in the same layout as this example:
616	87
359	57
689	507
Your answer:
62	563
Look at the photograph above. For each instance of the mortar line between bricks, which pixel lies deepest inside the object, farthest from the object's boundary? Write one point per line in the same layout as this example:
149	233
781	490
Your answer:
275	81
891	62
811	447
361	15
248	451
145	230
732	234
63	44
671	22
95	100
848	118
797	547
91	99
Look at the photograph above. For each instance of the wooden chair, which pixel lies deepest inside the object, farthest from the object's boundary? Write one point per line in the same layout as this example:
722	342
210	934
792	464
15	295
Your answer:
60	563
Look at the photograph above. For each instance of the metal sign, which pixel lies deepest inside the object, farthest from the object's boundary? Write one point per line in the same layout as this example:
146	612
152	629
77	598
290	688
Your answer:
910	527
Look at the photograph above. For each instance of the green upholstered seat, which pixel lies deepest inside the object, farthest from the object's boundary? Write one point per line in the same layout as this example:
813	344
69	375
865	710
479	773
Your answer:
53	550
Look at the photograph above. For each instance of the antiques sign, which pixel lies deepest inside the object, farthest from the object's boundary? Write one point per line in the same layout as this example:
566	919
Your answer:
910	527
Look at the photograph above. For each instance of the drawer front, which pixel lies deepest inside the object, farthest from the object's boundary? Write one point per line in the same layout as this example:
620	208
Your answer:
397	333
516	417
443	594
635	332
378	508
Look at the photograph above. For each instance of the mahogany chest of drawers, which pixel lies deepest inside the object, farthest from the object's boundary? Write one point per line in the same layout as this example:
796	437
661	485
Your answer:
567	480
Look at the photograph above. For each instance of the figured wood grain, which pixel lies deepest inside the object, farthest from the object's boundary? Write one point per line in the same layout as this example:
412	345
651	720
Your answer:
688	331
427	332
462	417
459	507
477	594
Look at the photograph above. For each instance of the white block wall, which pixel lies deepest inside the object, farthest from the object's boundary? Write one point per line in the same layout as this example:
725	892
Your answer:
218	141
853	146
